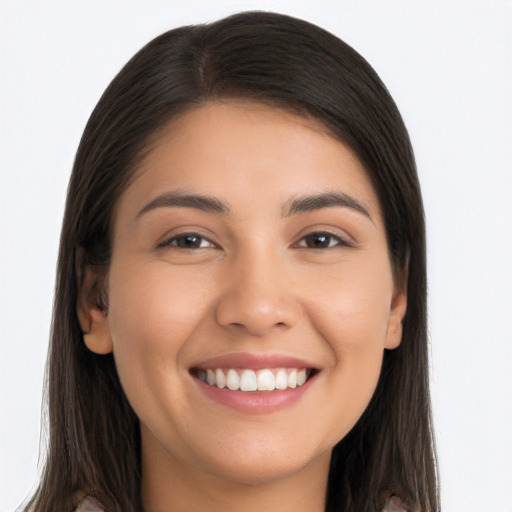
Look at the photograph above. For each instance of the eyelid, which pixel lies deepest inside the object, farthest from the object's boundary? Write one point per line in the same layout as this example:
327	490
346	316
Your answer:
344	240
167	240
335	231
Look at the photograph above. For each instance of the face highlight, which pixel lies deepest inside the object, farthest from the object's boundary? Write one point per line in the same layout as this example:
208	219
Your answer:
250	295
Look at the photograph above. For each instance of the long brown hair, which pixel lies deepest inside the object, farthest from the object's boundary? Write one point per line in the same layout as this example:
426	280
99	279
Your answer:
290	64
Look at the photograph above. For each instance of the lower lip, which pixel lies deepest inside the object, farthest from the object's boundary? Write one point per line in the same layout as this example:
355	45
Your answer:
255	402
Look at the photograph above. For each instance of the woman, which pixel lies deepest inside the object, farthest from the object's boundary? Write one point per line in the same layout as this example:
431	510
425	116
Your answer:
240	305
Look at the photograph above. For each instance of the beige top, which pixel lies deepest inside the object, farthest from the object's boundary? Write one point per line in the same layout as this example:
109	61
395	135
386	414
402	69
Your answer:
90	504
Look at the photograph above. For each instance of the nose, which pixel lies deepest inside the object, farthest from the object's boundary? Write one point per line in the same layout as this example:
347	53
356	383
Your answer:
258	298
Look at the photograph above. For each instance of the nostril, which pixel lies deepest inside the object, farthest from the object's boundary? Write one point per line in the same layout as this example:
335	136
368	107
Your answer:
255	312
257	327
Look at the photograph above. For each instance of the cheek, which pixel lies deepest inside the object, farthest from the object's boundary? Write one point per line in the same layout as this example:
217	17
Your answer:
151	316
151	307
352	310
351	315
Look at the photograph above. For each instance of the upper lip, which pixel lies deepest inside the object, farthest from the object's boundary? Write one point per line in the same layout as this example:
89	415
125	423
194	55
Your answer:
254	361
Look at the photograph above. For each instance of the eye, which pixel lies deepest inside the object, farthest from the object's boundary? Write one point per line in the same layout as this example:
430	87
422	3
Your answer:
322	240
187	241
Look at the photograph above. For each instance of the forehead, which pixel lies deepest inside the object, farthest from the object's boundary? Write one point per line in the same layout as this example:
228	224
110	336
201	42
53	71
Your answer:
247	151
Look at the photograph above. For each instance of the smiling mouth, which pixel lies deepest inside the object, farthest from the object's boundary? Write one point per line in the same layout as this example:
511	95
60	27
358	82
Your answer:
248	380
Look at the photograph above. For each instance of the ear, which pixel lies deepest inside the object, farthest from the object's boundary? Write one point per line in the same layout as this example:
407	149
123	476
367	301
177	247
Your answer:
396	316
92	310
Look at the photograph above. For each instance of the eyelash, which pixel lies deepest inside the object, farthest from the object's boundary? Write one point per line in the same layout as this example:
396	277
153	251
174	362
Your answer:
175	240
323	235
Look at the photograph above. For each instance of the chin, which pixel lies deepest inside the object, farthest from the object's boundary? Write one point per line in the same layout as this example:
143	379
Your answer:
254	473
265	464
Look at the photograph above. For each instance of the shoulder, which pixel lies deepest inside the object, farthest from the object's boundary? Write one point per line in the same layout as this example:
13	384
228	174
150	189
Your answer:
89	504
394	504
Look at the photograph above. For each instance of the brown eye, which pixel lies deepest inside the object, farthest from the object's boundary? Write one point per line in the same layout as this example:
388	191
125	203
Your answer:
187	241
321	240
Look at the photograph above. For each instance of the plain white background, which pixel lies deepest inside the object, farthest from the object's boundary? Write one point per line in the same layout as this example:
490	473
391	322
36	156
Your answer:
448	66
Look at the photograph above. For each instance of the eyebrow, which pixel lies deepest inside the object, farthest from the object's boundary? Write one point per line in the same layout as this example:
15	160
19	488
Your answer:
182	200
292	207
323	200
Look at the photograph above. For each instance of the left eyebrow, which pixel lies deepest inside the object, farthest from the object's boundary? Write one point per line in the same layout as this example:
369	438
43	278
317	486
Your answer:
324	200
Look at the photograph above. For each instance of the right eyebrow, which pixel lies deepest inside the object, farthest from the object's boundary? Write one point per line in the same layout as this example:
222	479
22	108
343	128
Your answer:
182	200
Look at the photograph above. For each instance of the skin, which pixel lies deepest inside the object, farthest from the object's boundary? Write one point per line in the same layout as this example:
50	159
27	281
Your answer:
255	285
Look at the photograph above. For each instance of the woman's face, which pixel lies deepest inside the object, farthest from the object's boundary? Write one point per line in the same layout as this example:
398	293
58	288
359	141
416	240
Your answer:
249	251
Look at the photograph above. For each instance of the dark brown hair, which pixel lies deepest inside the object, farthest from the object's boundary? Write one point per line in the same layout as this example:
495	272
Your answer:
293	65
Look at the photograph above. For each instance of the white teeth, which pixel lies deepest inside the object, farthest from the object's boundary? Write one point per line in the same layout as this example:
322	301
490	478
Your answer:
250	380
233	380
292	379
220	378
265	380
281	381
